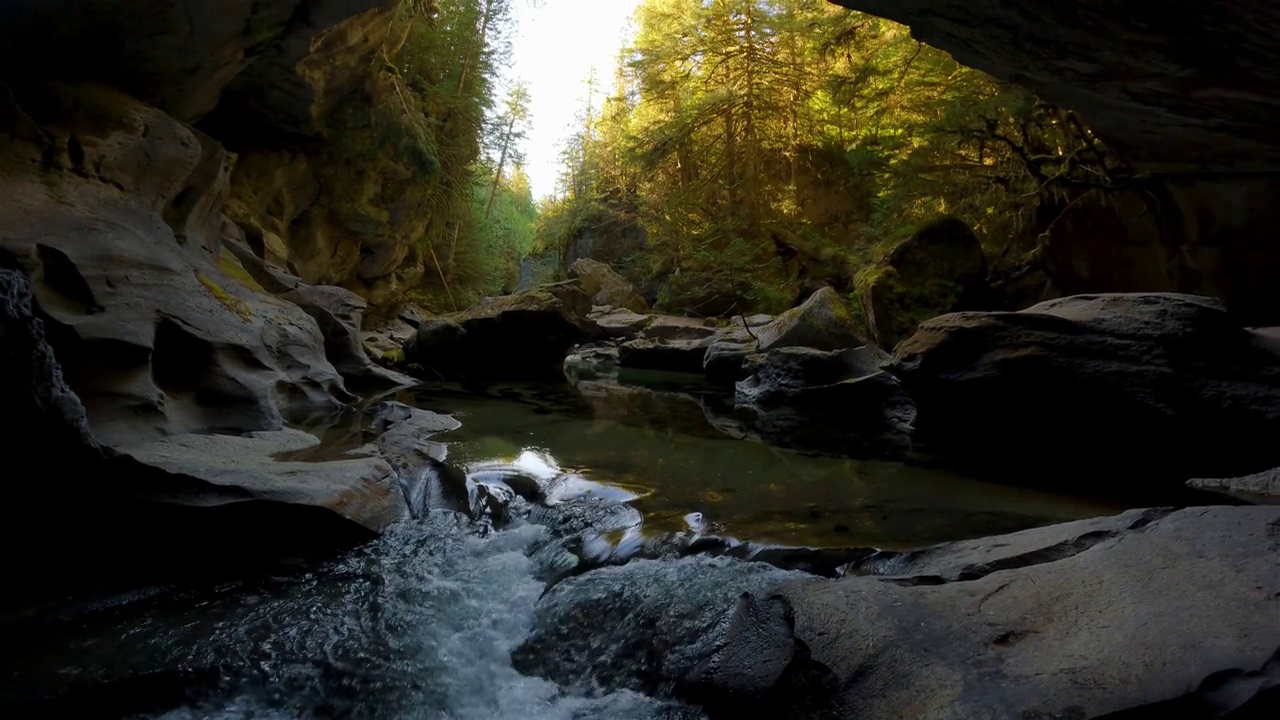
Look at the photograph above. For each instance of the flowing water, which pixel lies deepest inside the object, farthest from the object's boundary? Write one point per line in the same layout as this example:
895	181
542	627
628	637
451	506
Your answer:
422	622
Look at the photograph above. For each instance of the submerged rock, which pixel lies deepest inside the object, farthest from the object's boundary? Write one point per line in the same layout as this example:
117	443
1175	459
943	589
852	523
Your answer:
1109	390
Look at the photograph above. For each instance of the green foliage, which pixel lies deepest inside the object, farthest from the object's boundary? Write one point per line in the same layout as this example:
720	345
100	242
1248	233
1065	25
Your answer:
768	146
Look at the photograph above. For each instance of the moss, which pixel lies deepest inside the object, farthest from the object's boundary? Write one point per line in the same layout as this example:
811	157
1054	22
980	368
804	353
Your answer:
235	305
232	268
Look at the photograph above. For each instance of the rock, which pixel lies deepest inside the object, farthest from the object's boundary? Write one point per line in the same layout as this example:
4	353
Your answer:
385	344
591	361
828	399
939	269
822	322
155	335
672	327
1041	623
637	626
364	490
527	334
621	323
402	440
183	57
339	313
272	279
40	410
606	287
1112	391
1258	487
725	359
1126	71
680	356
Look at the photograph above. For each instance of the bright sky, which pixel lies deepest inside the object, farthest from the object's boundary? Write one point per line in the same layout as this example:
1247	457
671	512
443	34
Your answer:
555	48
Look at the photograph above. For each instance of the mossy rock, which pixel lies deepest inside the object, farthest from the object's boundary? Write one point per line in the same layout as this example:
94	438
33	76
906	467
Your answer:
941	268
234	304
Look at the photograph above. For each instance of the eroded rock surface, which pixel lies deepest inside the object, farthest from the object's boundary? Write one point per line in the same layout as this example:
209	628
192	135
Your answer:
114	211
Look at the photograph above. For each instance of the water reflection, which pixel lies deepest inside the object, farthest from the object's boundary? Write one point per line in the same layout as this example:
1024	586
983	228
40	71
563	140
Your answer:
659	450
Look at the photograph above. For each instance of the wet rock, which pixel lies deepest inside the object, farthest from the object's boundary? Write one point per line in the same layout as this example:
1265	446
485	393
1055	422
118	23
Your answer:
364	490
643	625
402	439
822	322
606	287
1040	623
941	268
1117	391
680	356
1258	487
524	335
590	362
810	396
827	562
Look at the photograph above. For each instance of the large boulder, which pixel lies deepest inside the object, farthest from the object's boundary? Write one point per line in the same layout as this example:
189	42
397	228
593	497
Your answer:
1110	390
527	334
1076	620
828	399
939	269
1042	623
822	322
606	287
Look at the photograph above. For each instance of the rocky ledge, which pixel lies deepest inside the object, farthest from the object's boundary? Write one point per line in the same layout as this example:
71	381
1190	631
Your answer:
1075	620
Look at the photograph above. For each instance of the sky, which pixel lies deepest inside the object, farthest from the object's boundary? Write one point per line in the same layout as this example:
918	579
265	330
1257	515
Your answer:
554	48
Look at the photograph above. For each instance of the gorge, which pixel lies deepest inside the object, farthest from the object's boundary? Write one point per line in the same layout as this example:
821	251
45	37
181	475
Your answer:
214	213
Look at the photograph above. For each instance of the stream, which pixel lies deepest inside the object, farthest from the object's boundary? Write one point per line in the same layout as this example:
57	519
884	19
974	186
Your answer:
422	622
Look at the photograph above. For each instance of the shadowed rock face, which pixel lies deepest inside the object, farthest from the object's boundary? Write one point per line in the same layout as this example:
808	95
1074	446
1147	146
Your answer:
180	55
1184	85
